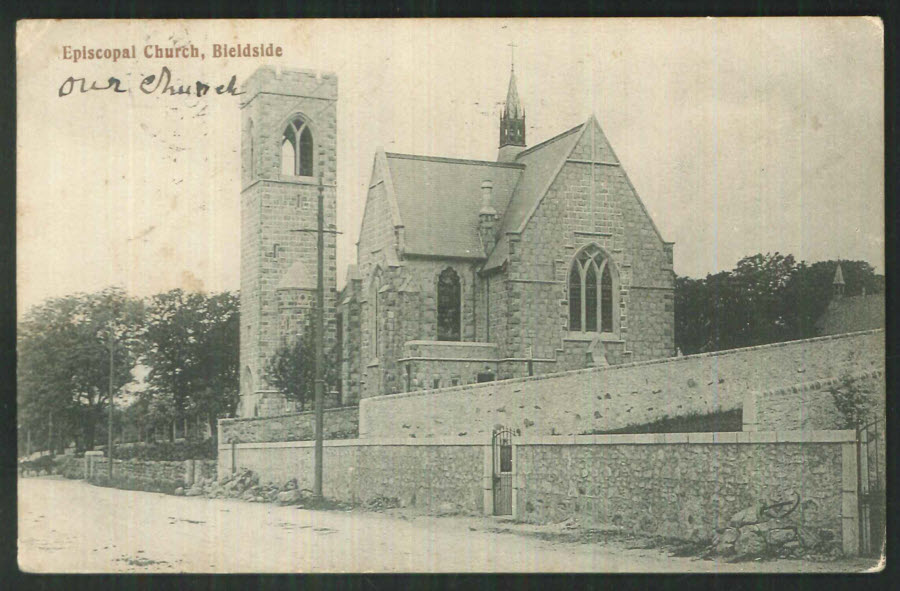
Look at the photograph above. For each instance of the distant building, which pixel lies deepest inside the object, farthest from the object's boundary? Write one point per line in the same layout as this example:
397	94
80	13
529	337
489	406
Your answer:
850	313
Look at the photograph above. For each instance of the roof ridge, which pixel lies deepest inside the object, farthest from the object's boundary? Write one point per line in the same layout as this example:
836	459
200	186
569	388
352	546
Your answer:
516	165
558	136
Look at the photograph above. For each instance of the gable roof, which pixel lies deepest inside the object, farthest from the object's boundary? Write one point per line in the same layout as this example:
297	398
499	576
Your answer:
852	313
542	163
438	200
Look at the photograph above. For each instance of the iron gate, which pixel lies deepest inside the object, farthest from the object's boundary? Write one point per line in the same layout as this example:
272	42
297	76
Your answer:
501	445
870	467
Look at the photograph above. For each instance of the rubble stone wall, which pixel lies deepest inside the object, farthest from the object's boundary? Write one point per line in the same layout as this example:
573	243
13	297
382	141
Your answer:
339	423
692	485
810	405
433	477
176	474
602	399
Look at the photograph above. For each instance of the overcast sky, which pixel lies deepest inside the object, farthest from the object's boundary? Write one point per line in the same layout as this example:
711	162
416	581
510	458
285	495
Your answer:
740	136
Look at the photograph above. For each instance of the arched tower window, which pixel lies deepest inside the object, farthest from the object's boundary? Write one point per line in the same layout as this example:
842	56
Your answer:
448	306
297	149
592	292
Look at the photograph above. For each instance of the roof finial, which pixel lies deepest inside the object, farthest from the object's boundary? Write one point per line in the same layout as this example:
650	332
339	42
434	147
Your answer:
512	56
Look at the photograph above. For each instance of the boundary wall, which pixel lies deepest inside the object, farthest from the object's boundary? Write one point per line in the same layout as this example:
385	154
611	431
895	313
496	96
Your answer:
339	423
810	406
675	485
603	399
175	474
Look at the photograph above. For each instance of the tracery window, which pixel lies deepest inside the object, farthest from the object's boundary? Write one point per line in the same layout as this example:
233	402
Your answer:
449	301
591	292
297	149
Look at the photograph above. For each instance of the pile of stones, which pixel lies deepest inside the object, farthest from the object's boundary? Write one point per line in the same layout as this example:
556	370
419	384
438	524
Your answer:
757	532
245	485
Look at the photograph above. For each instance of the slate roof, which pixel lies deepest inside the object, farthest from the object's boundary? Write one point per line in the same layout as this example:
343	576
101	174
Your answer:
852	313
439	200
541	164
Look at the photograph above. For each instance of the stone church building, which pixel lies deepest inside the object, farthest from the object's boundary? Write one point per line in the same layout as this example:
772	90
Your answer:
541	261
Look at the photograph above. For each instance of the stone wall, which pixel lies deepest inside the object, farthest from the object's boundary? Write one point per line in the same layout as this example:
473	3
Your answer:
339	423
169	474
445	477
603	399
590	201
689	485
810	406
683	486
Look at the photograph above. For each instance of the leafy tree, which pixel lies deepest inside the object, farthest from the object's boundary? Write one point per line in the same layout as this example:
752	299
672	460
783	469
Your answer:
191	346
63	361
764	299
292	369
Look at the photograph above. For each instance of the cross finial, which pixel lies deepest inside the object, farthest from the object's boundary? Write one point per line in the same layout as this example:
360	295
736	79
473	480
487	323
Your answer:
512	51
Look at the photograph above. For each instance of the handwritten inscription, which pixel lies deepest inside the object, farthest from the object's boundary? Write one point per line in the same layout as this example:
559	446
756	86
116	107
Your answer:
153	84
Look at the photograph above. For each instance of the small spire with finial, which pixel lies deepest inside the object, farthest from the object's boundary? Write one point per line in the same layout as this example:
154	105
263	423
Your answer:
838	281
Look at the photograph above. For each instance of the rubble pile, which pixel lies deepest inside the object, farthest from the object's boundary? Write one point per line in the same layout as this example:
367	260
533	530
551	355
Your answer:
764	531
245	485
380	503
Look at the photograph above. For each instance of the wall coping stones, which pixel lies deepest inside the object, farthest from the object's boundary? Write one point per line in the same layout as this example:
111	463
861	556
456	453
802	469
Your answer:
612	368
285	415
819	384
715	438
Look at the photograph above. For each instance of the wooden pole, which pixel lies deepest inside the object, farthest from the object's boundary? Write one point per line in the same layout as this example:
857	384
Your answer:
320	341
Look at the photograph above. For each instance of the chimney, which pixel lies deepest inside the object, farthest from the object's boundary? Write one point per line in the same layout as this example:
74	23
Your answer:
487	217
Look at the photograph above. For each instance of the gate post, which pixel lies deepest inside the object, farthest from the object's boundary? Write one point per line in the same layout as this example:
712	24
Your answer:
514	482
488	479
849	500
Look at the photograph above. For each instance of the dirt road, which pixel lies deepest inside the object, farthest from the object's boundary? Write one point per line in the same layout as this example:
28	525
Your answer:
71	526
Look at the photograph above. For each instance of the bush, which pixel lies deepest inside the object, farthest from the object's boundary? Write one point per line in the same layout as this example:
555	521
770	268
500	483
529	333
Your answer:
167	451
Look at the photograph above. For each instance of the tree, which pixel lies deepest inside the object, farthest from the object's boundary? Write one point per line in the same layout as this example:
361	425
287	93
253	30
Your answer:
63	368
764	299
191	346
292	369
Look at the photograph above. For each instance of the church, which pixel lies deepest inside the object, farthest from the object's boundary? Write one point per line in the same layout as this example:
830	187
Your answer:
542	261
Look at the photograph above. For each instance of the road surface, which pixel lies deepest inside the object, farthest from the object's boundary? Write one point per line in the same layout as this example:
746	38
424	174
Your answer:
72	526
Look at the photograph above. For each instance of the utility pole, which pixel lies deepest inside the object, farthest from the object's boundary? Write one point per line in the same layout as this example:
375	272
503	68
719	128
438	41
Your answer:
320	334
50	435
109	429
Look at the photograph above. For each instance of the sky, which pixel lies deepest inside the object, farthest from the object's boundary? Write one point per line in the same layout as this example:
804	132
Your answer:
740	135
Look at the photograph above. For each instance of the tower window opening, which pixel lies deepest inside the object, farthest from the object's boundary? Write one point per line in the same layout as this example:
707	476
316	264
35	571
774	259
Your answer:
297	149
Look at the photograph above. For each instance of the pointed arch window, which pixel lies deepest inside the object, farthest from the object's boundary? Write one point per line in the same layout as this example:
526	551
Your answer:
592	292
449	301
297	149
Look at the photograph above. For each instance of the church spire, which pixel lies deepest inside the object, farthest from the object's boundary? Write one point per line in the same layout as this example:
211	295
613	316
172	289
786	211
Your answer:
838	282
512	119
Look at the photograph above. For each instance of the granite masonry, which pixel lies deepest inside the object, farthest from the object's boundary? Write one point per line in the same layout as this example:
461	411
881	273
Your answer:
340	423
603	399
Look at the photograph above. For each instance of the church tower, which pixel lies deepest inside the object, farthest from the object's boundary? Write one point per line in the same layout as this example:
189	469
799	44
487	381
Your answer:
512	123
288	149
